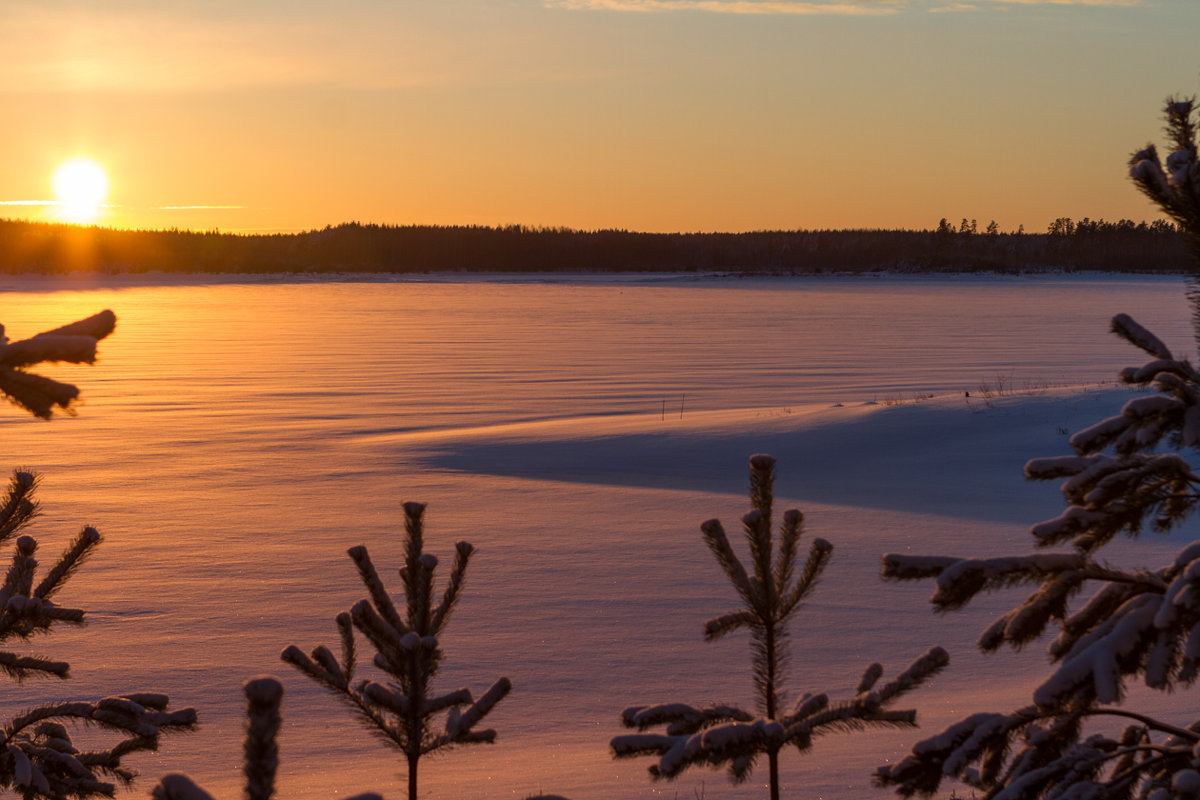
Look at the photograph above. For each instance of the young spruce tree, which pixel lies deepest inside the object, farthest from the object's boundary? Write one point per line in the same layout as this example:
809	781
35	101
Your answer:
771	591
38	757
402	709
1136	623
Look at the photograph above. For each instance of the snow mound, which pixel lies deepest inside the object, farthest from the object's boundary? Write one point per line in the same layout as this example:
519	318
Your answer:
952	455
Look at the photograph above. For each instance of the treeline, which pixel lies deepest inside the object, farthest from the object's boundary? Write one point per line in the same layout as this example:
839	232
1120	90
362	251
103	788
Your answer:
1123	246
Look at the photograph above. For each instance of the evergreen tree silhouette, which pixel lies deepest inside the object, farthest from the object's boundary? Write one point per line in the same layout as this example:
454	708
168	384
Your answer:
402	709
771	590
1137	623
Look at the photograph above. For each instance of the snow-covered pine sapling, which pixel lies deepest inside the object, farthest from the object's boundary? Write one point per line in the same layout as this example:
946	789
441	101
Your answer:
771	589
74	343
264	695
402	709
1136	622
37	756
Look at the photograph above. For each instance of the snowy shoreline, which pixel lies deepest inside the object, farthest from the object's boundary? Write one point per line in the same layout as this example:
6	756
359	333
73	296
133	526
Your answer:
37	282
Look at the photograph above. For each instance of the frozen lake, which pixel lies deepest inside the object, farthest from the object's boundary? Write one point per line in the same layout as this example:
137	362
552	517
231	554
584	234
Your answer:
237	437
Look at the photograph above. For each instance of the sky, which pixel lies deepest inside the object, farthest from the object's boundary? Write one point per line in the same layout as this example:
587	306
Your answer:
652	115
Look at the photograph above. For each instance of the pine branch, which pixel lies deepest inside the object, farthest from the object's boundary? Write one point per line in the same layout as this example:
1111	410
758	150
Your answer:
462	554
1124	326
390	656
70	561
19	507
409	574
21	667
462	724
717	627
19	578
263	698
346	629
718	543
681	718
789	539
36	394
818	558
379	595
98	326
757	525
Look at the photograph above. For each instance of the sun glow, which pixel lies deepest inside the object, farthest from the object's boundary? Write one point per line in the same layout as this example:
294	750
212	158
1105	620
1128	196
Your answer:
80	188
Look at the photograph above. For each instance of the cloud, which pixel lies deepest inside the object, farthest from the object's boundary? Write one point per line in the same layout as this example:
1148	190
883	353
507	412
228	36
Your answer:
862	8
201	208
100	50
844	8
1090	3
161	48
1097	3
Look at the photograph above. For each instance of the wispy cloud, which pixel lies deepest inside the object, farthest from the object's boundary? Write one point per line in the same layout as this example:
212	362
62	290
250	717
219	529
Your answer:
1098	3
864	8
978	5
100	47
201	208
844	8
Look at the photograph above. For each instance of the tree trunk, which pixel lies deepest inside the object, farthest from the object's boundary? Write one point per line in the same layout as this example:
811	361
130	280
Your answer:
773	754
773	767
412	776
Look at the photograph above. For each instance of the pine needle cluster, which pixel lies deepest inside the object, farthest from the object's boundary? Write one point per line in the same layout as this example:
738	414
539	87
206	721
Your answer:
1136	623
402	709
772	588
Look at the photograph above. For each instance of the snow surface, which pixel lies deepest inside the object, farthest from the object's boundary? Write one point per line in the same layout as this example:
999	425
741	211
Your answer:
237	438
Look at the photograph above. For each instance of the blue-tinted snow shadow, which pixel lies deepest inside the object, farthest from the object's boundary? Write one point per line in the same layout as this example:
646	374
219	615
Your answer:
962	460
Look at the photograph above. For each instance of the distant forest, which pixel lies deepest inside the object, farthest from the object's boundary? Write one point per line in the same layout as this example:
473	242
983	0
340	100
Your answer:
1069	245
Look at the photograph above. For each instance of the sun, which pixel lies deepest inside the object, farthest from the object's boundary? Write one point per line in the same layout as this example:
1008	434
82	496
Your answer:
80	187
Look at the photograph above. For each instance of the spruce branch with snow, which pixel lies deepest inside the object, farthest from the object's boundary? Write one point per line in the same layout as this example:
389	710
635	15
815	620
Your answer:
1137	623
264	696
771	588
402	709
38	758
1174	186
74	343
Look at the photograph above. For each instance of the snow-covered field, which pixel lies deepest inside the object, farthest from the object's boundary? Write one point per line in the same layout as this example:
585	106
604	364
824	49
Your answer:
237	437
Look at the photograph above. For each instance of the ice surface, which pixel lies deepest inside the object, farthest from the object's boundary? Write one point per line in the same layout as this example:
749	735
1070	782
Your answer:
236	438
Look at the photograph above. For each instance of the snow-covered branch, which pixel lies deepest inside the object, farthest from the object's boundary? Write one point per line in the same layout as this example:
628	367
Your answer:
74	343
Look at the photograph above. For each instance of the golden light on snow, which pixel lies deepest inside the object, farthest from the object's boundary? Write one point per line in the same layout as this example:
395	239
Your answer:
80	188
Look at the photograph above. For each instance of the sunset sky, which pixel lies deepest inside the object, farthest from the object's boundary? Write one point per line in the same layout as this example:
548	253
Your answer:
655	115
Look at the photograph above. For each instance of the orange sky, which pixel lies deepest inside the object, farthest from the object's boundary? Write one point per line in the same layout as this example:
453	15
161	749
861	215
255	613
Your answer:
661	115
